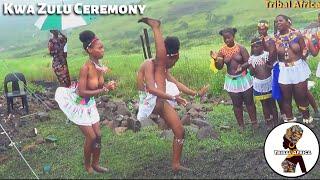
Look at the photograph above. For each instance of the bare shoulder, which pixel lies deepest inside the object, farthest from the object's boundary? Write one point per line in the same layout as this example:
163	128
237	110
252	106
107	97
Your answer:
242	48
147	64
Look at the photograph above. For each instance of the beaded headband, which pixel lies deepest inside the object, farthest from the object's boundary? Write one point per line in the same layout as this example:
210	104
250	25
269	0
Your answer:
263	25
259	42
170	55
93	40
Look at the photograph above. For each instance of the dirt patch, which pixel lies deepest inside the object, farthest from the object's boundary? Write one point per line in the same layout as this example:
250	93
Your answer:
216	164
220	164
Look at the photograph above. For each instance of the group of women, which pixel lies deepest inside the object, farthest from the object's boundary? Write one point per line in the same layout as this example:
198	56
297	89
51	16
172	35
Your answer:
275	68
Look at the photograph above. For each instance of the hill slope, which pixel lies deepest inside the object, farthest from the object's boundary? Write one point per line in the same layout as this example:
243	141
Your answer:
194	22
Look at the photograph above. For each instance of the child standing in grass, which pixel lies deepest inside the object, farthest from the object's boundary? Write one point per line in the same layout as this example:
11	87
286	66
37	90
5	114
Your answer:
78	102
260	67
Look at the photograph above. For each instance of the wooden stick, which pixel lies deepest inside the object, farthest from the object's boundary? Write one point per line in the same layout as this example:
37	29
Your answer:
147	42
143	47
28	115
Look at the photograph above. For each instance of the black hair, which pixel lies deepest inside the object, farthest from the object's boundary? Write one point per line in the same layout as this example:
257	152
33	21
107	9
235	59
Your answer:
86	38
287	18
264	21
172	44
256	40
228	30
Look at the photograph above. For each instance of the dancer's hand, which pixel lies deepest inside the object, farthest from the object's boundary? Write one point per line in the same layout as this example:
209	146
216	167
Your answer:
239	69
203	90
213	55
111	85
181	100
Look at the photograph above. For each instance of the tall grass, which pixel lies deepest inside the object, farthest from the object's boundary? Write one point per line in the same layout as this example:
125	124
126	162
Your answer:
192	69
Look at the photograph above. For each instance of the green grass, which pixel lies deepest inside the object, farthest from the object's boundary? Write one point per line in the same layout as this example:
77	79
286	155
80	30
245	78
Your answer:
192	69
126	153
192	21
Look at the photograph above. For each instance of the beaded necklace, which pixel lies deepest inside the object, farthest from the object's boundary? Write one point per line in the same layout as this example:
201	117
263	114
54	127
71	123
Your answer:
259	60
285	41
98	66
229	52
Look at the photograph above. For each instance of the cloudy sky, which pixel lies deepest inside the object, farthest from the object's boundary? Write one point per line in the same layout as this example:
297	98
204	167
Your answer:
34	2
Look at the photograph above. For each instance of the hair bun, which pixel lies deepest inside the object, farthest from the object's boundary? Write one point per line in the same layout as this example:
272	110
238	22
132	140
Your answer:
86	36
234	30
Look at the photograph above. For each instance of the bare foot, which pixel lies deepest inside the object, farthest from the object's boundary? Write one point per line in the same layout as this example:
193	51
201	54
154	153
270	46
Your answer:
89	169
241	129
100	169
180	168
151	22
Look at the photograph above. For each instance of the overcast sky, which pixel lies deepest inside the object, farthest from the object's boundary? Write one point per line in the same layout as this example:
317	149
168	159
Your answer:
34	2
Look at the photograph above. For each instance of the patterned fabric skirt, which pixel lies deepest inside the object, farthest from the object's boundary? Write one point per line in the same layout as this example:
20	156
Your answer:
79	110
60	68
147	101
238	83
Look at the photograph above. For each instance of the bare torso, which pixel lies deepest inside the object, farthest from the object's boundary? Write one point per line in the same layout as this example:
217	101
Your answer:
95	79
234	60
141	74
294	51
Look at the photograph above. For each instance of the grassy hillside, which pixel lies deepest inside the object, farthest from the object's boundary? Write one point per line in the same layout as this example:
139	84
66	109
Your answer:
196	23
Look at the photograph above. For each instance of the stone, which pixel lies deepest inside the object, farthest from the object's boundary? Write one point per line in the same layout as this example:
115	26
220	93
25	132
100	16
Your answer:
207	132
100	105
49	104
120	130
134	124
110	106
29	148
167	134
193	112
104	113
33	133
145	122
199	122
124	123
22	122
123	110
109	124
104	99
154	118
162	124
186	120
202	114
40	140
42	116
